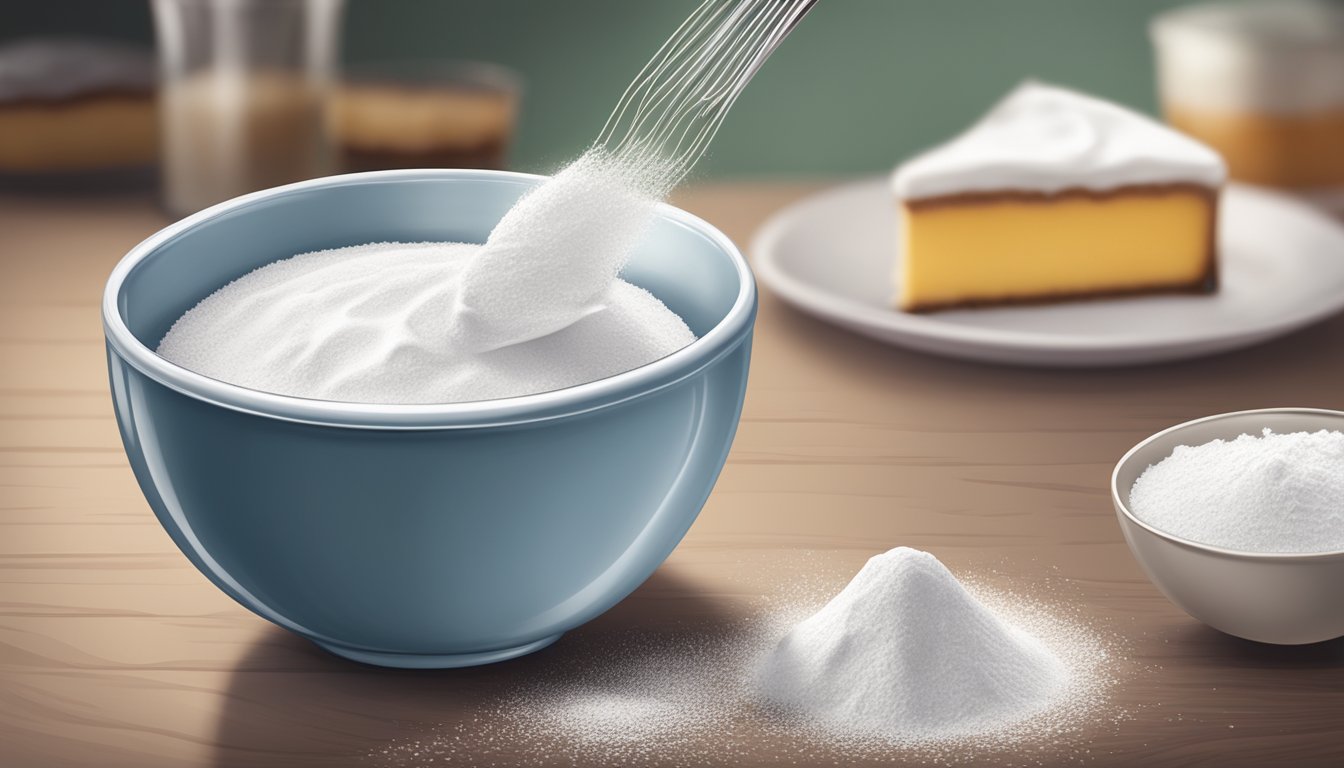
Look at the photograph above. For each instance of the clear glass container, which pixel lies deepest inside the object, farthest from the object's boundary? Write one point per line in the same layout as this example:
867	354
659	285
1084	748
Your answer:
244	88
1262	82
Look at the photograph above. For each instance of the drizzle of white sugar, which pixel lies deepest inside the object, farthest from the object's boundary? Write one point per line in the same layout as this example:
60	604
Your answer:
549	261
905	654
539	307
1276	493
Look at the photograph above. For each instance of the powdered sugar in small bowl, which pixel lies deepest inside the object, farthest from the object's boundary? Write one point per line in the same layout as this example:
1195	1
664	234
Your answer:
1257	593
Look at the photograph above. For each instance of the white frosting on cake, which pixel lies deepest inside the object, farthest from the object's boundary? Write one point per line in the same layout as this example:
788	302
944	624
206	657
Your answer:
1283	56
1042	138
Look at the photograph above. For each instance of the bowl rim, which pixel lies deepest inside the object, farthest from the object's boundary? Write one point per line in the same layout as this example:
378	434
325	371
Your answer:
732	329
1126	515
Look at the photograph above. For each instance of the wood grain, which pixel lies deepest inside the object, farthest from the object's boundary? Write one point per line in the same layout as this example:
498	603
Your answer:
115	652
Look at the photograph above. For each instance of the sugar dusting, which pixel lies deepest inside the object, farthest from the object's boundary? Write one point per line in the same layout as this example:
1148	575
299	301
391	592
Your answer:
684	695
538	307
370	324
1279	493
549	261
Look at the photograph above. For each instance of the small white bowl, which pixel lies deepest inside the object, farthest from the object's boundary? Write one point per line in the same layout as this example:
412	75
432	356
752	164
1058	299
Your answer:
1288	599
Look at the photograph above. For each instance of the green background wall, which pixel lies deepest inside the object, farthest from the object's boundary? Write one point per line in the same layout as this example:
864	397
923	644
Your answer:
860	84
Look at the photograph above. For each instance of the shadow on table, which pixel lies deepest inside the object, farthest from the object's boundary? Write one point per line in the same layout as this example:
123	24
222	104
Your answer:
1226	650
290	704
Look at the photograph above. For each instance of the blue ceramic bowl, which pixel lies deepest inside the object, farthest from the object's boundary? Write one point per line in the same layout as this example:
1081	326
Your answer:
424	535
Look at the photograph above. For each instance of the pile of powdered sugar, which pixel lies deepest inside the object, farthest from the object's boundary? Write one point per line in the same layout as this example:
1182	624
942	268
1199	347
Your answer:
539	307
1276	493
905	654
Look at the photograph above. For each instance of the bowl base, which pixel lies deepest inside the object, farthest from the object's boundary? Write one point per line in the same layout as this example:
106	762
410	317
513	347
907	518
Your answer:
435	660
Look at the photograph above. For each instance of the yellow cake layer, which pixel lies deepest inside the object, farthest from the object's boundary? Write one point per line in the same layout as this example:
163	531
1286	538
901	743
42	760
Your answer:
1289	150
83	134
1023	249
420	120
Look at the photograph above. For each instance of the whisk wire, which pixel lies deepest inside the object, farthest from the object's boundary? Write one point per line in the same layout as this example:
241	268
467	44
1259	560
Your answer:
674	107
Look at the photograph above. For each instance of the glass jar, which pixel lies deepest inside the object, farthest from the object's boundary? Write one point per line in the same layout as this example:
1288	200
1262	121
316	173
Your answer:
244	86
1261	82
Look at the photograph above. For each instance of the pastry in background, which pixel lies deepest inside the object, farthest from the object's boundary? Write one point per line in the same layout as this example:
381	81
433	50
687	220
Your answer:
424	115
1263	83
73	106
1056	195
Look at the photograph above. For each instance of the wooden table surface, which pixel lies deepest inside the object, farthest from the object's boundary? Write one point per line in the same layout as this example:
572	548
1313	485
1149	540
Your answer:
114	651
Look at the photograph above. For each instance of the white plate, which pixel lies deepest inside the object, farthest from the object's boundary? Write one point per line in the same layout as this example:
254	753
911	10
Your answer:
1282	267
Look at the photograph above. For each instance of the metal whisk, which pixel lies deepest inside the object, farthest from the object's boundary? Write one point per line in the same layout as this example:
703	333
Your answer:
679	99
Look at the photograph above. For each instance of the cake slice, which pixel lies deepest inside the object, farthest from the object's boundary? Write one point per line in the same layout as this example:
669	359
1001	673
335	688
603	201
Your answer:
1056	195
